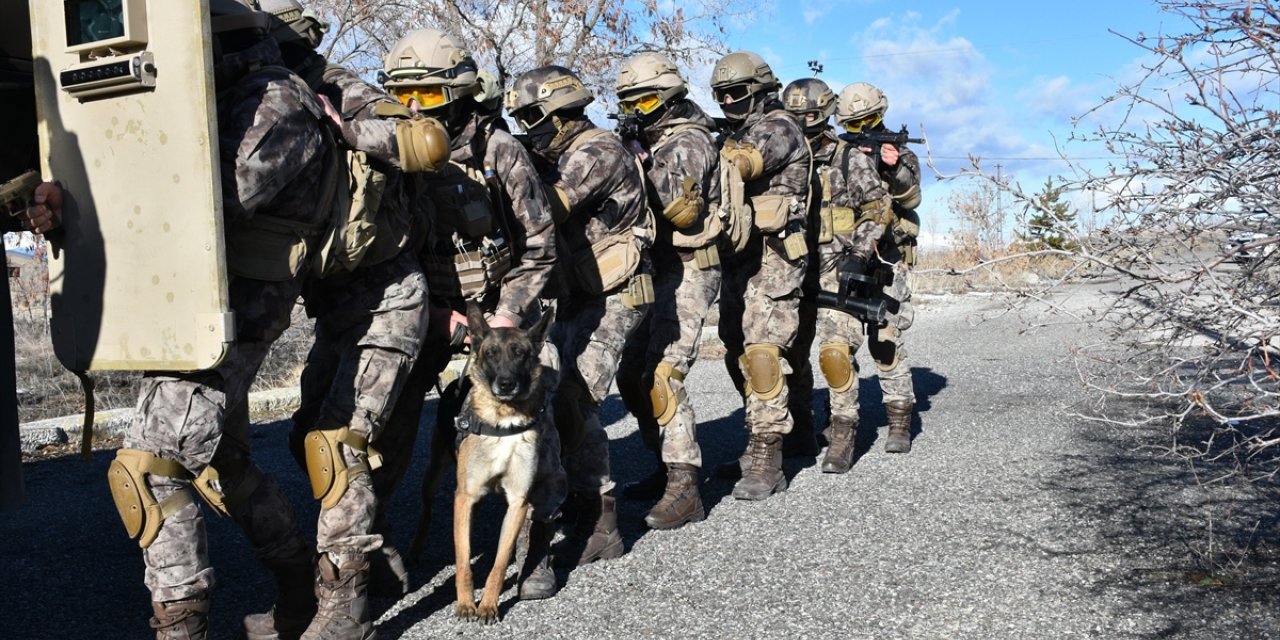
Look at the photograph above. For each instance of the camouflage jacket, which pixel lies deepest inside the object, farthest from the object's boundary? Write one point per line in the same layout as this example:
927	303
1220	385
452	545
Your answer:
272	150
369	118
853	182
605	189
781	142
684	149
523	207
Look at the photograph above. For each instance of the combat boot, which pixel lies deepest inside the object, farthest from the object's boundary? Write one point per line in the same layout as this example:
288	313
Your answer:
840	436
342	590
295	604
900	413
595	536
763	475
649	487
681	502
388	577
537	578
181	619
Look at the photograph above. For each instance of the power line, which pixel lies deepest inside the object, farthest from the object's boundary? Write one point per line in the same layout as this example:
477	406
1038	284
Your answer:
1028	158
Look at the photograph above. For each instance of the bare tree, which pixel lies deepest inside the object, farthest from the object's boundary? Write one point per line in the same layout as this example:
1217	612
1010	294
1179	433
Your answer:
1195	319
979	218
591	37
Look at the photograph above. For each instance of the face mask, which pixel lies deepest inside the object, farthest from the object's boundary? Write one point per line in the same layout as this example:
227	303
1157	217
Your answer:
738	110
542	135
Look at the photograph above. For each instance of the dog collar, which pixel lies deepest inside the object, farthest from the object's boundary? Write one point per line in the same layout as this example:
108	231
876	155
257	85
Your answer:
467	423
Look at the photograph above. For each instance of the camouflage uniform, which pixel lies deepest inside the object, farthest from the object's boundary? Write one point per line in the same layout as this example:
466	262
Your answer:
272	155
680	145
605	197
857	187
760	296
522	211
370	322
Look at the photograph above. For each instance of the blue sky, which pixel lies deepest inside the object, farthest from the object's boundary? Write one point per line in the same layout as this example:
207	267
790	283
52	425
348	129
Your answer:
997	79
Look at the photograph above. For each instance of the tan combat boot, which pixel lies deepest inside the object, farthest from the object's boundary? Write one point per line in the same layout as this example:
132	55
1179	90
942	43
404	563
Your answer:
181	619
595	536
681	502
295	604
840	435
762	477
342	590
900	413
537	578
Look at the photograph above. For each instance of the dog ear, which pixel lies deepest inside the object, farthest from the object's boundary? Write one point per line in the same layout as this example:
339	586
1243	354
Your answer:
538	334
477	326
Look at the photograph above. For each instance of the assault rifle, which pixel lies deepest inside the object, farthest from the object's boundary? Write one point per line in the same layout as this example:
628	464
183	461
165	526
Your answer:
628	125
858	282
873	139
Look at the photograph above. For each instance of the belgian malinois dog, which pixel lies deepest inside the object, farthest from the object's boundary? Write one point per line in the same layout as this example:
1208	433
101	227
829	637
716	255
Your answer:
500	424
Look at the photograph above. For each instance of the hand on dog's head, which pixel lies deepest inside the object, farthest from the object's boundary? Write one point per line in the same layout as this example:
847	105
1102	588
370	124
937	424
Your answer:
505	360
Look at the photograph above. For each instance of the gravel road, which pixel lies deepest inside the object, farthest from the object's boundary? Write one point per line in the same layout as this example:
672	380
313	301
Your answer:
1009	519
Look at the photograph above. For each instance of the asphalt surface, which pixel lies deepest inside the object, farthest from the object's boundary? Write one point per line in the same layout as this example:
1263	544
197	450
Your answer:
1009	519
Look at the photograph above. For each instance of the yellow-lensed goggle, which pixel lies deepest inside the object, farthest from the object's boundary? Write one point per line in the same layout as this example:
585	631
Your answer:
856	126
427	97
645	104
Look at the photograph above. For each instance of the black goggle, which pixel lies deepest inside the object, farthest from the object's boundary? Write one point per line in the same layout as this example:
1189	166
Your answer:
738	93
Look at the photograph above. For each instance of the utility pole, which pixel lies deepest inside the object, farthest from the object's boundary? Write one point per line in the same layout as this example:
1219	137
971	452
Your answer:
999	206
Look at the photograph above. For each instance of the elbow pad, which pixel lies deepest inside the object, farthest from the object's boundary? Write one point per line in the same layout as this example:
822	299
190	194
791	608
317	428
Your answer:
424	145
684	210
746	158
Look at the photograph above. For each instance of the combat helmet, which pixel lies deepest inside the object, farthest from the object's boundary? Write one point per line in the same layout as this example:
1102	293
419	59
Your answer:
647	82
812	101
429	66
861	106
738	79
539	94
293	22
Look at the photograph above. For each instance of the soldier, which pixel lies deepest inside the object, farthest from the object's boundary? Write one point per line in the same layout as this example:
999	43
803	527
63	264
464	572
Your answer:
492	241
192	429
765	184
596	190
672	136
370	309
871	221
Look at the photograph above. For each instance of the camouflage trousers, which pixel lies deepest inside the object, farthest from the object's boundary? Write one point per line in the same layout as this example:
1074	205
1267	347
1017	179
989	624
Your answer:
883	343
670	334
201	419
760	304
590	332
399	437
370	325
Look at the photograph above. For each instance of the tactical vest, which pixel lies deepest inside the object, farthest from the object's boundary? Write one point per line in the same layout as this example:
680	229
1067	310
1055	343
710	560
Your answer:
766	213
701	235
469	247
609	263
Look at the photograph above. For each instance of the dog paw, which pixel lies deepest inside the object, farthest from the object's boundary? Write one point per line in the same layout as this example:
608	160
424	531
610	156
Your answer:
488	613
465	611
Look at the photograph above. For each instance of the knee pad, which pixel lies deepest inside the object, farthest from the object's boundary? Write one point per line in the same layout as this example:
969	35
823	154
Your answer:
570	421
886	354
209	485
665	400
837	366
762	366
328	470
141	513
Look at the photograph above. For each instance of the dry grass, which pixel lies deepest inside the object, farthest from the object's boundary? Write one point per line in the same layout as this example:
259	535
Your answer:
953	271
46	390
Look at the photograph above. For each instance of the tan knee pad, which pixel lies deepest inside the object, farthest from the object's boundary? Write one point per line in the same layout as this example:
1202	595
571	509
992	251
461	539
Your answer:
209	485
327	468
141	513
666	400
837	366
762	366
